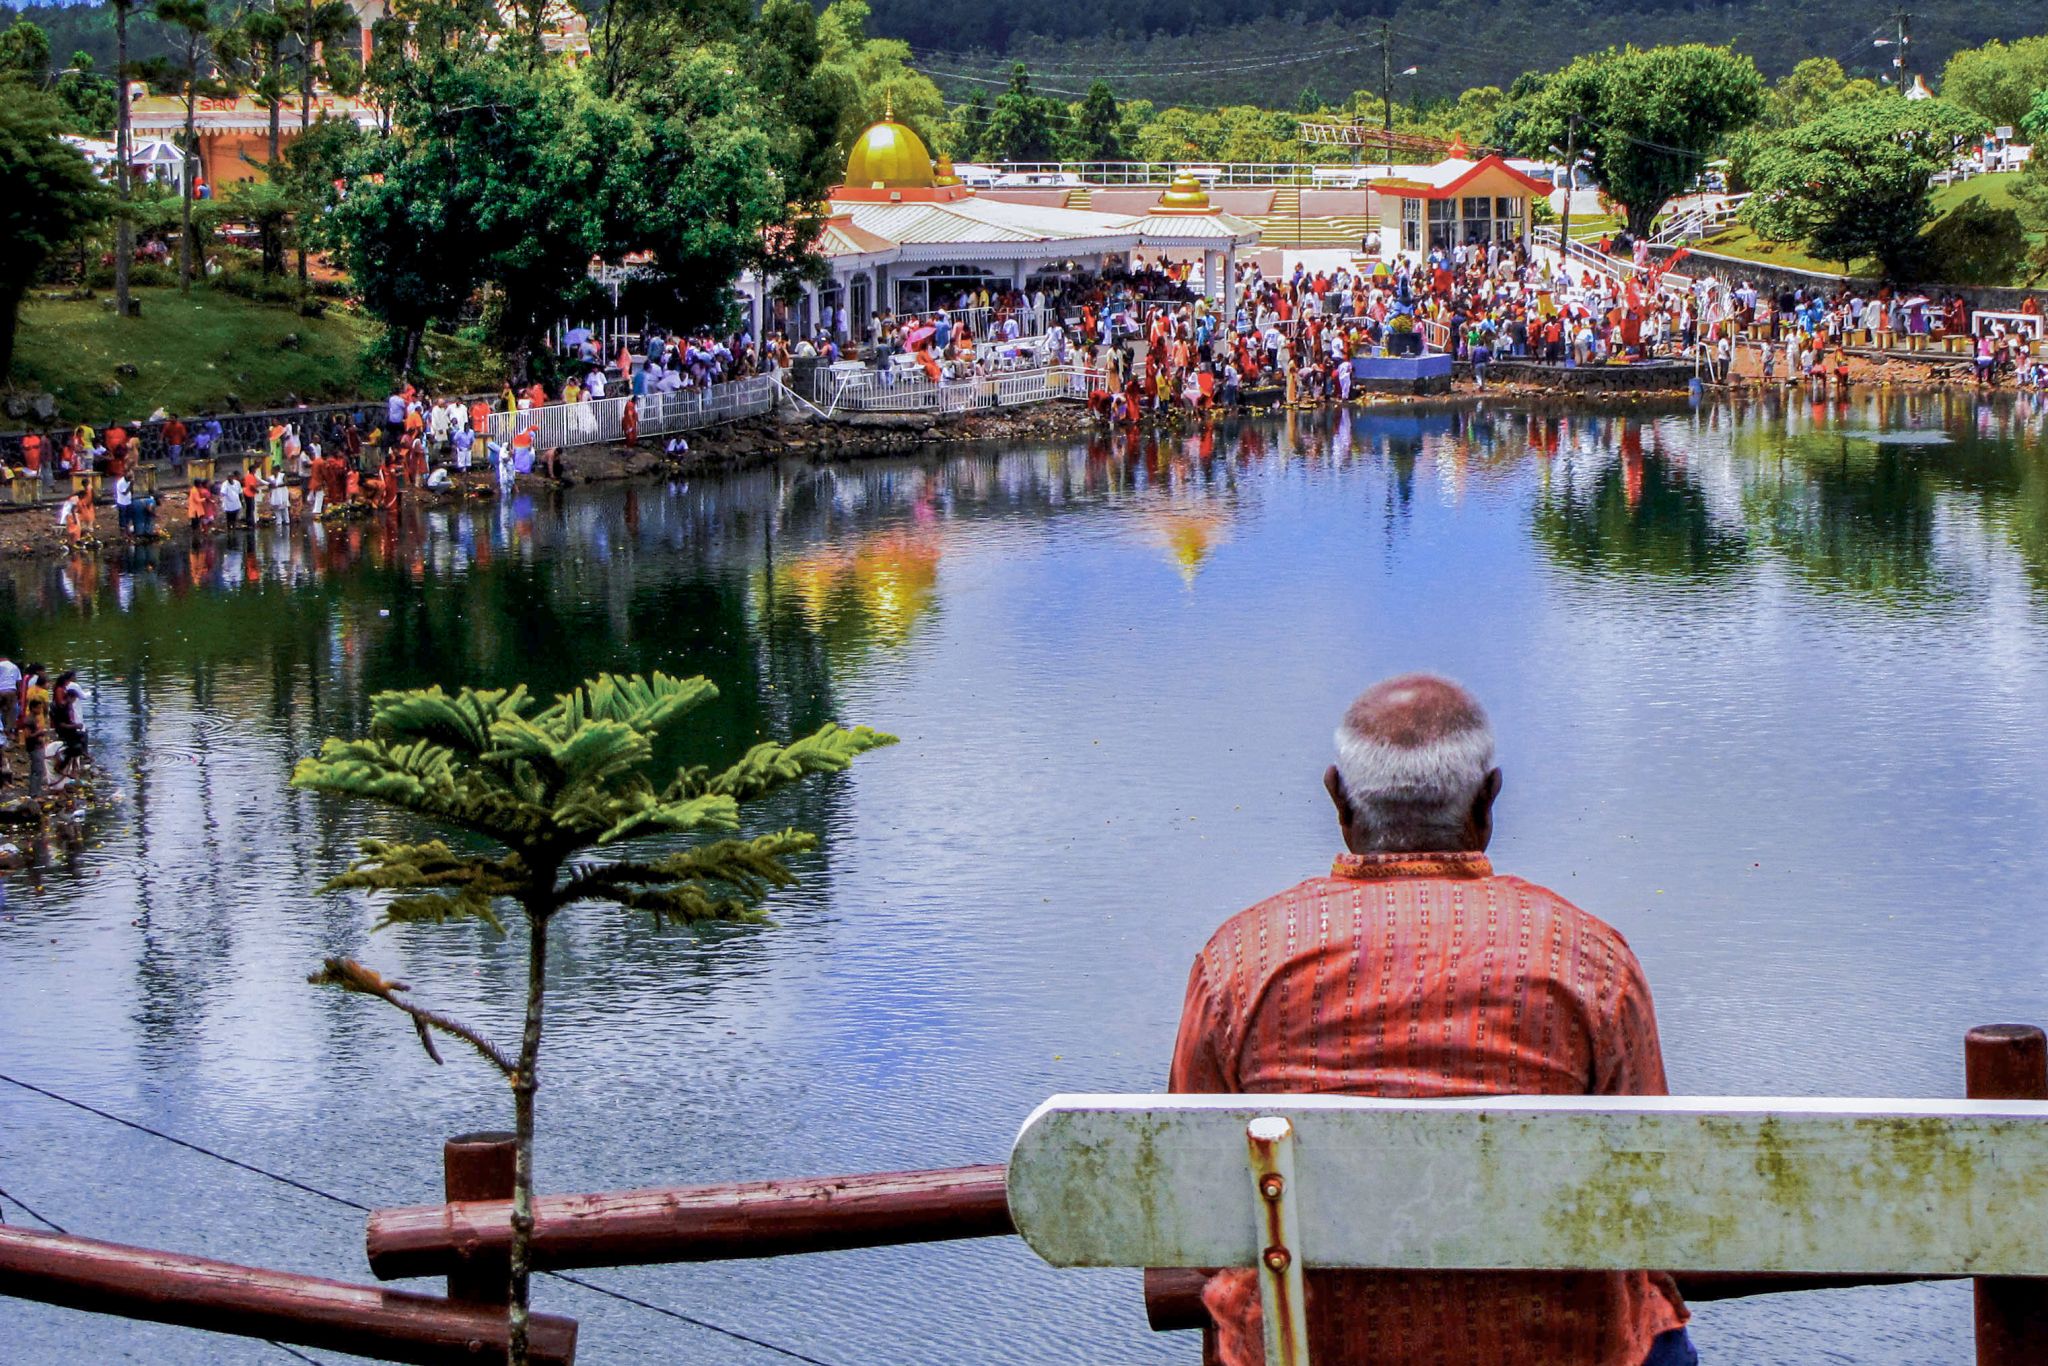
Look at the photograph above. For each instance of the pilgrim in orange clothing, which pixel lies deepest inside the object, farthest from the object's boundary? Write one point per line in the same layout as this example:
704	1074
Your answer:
1415	970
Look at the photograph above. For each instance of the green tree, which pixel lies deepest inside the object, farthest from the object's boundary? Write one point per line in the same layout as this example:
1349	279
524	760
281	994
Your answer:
25	51
1998	80
1853	183
192	31
560	792
1098	127
1809	90
48	196
972	125
124	228
693	180
1020	127
318	29
1649	118
867	77
782	57
2030	193
87	96
635	40
254	50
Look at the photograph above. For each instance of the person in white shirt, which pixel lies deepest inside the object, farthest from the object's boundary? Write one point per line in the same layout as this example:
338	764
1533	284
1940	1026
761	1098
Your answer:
124	504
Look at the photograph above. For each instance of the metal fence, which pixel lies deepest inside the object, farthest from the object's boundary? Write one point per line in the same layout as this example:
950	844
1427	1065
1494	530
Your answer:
876	391
596	422
1056	175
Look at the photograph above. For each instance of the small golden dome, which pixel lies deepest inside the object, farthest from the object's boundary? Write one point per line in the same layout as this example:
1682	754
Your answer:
889	157
944	171
1184	193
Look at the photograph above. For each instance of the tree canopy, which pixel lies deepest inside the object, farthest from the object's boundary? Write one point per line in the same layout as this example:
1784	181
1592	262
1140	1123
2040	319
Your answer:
1998	80
1648	119
1854	182
48	196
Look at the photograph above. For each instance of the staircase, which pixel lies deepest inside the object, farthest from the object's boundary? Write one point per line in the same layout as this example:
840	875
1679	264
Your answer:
1282	225
1080	197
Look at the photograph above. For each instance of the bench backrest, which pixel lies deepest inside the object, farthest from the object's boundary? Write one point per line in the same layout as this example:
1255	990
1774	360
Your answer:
1705	1184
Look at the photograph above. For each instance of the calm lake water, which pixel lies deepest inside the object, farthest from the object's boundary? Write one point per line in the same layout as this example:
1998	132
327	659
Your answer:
1769	686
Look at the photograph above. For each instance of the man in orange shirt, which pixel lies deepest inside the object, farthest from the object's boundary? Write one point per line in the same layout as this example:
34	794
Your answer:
1415	970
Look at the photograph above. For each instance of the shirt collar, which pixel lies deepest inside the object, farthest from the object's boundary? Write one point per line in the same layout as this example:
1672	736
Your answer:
1375	867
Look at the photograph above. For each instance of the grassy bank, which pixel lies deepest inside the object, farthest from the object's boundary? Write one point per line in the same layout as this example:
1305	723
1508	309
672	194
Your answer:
1986	194
203	352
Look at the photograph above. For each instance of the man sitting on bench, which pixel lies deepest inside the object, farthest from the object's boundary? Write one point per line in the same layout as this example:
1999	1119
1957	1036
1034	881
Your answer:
1414	970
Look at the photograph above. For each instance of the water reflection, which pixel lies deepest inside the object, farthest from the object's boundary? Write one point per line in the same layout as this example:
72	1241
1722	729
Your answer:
1113	661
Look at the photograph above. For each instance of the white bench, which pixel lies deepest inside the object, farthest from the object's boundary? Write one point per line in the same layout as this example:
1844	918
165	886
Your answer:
1878	1187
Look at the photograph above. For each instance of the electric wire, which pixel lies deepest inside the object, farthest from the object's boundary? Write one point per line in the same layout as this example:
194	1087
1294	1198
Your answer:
342	1200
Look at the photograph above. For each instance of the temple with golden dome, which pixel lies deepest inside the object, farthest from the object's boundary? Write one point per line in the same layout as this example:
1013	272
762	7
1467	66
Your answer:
904	235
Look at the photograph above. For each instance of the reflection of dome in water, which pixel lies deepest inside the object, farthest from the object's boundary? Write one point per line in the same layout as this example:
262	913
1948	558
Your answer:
872	595
1189	538
890	157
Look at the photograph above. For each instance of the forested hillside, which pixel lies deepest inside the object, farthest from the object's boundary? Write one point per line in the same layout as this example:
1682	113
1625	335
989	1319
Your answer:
1270	51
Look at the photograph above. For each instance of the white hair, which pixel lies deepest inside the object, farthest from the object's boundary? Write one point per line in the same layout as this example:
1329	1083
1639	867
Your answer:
1415	798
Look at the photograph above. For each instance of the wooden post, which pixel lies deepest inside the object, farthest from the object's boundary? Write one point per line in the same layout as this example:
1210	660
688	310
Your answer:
696	1223
2009	1062
479	1167
246	1301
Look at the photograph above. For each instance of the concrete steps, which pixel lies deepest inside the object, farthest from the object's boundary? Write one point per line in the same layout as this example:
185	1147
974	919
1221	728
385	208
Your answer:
1080	197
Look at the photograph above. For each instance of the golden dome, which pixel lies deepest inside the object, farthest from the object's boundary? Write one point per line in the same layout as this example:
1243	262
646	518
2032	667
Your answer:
889	157
1185	193
944	171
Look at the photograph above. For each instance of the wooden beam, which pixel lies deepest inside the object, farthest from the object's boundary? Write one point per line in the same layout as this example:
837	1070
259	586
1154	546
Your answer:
1827	1186
698	1223
220	1297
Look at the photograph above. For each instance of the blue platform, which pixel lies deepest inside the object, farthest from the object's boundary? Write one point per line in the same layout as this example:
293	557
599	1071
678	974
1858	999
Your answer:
1400	369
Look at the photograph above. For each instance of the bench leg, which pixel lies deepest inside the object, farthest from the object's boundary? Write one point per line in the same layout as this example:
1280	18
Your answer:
1283	1297
2009	1062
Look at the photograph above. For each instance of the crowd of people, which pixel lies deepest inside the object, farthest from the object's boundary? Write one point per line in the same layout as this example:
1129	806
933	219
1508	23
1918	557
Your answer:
41	716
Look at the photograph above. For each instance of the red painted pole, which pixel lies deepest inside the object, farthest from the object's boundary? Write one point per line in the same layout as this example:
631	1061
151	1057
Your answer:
479	1167
2009	1062
247	1301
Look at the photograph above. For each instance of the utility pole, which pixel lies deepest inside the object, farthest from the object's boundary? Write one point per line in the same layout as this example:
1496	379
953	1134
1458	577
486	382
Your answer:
1571	180
1905	22
1387	90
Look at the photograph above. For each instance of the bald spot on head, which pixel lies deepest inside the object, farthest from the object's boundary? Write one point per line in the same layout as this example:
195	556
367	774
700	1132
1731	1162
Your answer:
1414	711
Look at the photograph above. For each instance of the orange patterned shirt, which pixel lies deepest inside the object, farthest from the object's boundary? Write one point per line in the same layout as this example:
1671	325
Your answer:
1428	975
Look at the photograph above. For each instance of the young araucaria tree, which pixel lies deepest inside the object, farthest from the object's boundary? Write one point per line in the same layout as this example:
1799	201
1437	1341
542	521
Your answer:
558	790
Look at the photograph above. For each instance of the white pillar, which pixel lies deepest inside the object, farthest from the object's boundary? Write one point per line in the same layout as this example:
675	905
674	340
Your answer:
1230	280
1212	266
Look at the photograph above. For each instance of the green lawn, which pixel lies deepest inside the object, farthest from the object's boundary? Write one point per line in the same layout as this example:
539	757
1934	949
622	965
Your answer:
1992	191
191	353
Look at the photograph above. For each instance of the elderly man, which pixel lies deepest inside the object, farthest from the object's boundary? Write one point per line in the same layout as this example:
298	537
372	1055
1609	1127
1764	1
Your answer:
1413	969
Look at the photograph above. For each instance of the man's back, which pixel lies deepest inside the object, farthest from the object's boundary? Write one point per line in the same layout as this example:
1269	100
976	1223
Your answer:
1424	975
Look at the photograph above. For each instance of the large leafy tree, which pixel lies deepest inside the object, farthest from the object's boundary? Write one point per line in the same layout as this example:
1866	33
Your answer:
1020	127
1853	183
25	51
694	177
2030	195
48	196
1811	89
1998	80
544	804
1098	126
867	77
1649	118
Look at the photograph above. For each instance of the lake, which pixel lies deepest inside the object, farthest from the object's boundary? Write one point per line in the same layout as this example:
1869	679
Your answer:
1768	682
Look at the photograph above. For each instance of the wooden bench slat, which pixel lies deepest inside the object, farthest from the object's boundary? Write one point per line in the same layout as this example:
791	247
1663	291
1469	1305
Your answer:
1880	1187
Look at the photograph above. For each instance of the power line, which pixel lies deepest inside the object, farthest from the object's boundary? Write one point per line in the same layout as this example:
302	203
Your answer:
343	1200
47	1222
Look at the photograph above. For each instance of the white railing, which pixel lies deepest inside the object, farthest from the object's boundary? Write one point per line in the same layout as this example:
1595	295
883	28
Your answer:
1223	174
595	422
898	391
1547	238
